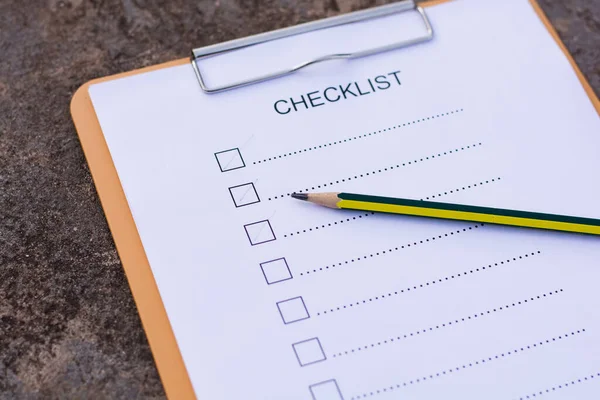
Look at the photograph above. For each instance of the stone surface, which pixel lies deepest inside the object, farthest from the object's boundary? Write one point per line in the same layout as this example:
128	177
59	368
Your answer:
68	324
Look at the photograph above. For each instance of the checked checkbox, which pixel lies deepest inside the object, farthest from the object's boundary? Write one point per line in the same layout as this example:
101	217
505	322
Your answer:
229	160
259	232
244	195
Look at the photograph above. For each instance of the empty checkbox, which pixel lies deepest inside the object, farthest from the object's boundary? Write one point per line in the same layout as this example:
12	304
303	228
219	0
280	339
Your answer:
309	352
229	160
244	195
276	270
293	310
327	390
259	232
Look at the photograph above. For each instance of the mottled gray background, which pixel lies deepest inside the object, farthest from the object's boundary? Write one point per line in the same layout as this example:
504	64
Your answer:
68	324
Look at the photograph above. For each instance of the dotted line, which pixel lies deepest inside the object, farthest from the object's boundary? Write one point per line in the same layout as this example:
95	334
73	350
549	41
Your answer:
322	226
358	137
444	325
461	189
468	365
316	228
564	385
390	250
445	153
422	285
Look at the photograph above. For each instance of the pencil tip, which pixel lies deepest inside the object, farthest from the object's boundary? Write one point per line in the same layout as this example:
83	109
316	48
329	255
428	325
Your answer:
300	196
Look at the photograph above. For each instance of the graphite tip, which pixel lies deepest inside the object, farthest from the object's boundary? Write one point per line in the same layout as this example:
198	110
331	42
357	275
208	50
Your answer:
300	196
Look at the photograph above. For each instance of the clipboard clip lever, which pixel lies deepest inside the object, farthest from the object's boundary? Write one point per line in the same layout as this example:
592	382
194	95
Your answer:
357	16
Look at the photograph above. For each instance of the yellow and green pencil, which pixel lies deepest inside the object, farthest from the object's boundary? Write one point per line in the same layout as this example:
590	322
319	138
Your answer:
460	212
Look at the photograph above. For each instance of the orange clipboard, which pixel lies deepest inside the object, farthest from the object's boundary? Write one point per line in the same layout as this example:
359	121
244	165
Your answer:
161	338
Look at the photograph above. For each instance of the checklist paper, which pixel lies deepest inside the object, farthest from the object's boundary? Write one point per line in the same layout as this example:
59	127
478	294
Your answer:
273	298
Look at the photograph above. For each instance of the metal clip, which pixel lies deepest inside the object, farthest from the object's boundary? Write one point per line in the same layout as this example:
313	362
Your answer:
377	12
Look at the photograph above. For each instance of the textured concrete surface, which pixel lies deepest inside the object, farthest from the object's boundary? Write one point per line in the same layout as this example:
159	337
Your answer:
68	324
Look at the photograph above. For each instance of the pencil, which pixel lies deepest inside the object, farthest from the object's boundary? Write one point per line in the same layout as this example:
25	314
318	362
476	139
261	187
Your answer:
459	212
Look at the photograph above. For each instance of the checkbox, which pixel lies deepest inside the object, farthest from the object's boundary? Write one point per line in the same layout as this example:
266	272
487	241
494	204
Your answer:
259	232
327	390
244	195
292	310
309	352
276	270
229	160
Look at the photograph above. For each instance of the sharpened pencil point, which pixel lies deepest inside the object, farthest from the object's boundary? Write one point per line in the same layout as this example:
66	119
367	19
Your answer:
300	196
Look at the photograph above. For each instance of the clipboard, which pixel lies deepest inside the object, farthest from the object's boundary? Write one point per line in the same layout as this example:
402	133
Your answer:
161	339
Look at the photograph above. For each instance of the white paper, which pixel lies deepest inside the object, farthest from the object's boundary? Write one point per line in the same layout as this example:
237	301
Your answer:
334	304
